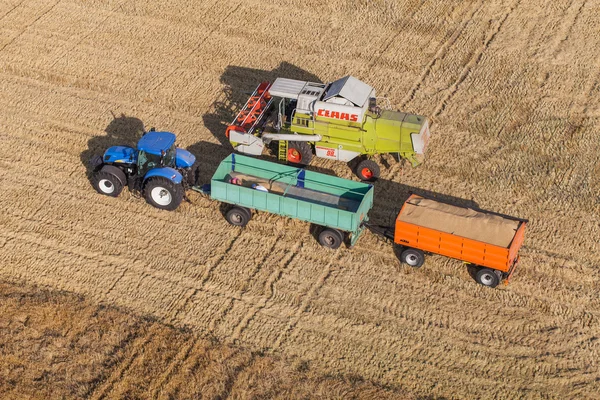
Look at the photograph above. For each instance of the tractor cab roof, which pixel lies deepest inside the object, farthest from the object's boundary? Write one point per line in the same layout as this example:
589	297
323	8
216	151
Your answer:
156	142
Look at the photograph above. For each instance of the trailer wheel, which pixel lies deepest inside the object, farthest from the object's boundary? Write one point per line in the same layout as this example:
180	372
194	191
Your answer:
367	170
163	193
331	238
299	153
487	277
106	183
413	257
238	216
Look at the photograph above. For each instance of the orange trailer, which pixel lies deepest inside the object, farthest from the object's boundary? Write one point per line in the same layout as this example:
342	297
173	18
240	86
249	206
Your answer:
488	240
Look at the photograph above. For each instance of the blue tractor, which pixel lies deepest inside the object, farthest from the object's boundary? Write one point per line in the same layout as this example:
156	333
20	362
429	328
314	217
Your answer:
157	168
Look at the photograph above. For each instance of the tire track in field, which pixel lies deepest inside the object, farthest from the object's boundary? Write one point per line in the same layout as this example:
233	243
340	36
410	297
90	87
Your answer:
12	9
87	34
174	364
572	15
229	305
42	15
195	49
269	291
474	61
440	54
121	369
375	59
193	291
314	289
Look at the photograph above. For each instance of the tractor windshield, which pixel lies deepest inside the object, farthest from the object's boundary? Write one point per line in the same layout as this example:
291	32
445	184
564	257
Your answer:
169	157
146	162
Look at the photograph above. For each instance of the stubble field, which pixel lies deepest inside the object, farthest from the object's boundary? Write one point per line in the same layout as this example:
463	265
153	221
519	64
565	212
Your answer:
512	88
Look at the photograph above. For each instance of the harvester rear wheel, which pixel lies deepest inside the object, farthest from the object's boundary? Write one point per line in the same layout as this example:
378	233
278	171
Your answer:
367	170
107	183
331	238
299	153
163	193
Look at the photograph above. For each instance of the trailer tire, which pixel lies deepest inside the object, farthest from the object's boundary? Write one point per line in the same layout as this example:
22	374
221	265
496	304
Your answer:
367	170
238	216
487	277
162	193
413	257
331	238
299	153
107	183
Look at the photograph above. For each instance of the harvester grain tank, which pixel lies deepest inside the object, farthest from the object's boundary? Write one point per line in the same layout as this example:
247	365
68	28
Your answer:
343	120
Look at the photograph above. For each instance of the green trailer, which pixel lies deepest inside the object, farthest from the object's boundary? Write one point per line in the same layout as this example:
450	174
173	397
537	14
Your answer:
339	206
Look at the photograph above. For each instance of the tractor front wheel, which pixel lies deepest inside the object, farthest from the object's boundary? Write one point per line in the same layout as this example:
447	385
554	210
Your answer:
299	153
163	193
107	183
367	170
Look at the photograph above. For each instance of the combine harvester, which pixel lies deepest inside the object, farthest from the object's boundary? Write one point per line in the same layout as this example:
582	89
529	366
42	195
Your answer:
341	120
339	207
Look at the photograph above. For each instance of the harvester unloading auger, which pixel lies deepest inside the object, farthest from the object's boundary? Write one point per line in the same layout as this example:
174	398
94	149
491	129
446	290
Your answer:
342	120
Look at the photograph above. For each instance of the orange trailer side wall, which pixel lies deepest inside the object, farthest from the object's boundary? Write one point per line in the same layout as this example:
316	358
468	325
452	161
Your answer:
458	247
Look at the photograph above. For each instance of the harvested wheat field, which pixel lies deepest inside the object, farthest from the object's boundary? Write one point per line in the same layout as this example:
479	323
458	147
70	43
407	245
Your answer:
57	345
512	88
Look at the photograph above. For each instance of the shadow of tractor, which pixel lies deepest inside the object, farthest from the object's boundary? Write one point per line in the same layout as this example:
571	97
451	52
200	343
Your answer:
121	131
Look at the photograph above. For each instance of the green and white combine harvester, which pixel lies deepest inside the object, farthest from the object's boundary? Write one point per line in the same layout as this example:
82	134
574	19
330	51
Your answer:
342	120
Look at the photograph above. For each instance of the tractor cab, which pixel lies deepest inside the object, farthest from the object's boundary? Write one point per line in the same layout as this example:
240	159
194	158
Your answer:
156	149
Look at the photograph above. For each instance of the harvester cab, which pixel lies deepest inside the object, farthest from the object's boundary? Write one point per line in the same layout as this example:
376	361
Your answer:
157	168
343	120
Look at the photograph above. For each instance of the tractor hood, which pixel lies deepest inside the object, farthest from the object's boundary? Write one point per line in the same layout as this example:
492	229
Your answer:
120	154
184	159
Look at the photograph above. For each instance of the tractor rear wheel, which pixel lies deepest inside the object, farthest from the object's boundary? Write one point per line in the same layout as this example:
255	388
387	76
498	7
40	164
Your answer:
299	153
163	193
367	170
238	216
107	183
192	174
331	238
413	257
488	277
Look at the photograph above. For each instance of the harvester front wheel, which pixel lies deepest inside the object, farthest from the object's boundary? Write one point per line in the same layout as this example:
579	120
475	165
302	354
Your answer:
367	170
413	257
299	153
107	183
331	238
488	277
163	193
